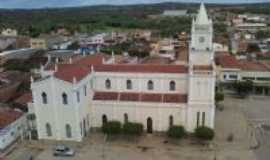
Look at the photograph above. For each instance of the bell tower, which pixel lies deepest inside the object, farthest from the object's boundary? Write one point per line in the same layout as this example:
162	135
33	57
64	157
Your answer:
201	46
201	85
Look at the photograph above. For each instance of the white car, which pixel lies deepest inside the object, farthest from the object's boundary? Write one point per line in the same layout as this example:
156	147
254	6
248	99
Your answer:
62	150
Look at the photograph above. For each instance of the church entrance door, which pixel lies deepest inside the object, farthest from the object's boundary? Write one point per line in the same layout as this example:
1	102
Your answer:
149	125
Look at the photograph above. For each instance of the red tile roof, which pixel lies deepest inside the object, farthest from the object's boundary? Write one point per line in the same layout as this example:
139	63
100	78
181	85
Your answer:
24	99
67	72
203	67
92	60
82	67
141	97
253	66
141	68
156	60
8	116
227	61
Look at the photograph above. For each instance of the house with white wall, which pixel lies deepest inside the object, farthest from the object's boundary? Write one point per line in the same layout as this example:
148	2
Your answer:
12	126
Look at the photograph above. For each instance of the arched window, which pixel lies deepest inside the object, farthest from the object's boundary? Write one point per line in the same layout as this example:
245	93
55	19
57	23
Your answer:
171	121
85	90
104	119
150	85
203	118
48	129
198	119
172	86
44	98
129	84
68	131
108	84
91	83
125	118
78	96
88	120
64	98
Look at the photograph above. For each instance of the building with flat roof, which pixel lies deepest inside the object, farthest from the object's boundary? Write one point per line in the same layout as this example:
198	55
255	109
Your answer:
230	70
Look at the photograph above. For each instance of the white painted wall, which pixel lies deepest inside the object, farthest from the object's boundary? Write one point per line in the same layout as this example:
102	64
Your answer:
55	112
139	112
139	82
12	132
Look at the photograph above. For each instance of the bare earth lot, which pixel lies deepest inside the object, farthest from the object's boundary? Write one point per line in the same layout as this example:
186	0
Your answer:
236	119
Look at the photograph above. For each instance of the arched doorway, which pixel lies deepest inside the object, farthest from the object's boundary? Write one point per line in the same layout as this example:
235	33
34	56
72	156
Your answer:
104	119
84	127
149	125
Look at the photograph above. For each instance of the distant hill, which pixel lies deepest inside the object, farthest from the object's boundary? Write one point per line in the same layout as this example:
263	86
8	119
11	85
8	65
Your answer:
164	5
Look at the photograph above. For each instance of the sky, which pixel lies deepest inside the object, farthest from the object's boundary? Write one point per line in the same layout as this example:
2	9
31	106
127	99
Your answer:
68	3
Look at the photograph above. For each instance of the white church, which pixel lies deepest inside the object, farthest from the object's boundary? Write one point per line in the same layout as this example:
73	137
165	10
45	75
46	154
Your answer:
70	99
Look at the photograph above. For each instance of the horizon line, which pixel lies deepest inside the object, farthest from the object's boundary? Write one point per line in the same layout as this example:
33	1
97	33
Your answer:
135	4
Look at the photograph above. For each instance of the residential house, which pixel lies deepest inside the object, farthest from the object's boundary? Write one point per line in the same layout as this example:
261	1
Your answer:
230	70
12	126
9	32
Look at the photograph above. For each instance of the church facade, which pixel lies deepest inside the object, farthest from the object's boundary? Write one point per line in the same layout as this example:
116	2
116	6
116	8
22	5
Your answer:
70	99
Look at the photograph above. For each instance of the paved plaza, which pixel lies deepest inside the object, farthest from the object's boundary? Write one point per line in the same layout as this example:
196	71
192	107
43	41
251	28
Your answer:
236	119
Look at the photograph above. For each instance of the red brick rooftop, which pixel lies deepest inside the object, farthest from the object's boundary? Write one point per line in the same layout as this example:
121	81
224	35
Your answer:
203	67
140	97
227	61
24	99
141	68
67	72
253	66
8	116
82	67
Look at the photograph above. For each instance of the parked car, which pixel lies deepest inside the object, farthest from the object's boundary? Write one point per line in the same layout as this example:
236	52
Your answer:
62	150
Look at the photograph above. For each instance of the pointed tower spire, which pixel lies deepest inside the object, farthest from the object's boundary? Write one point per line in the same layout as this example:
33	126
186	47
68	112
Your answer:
202	17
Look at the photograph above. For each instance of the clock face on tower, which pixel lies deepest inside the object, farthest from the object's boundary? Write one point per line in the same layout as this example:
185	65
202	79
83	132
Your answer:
201	39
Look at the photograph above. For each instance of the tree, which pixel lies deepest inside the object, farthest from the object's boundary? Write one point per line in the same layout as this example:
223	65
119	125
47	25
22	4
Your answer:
220	28
252	47
204	133
112	128
243	88
219	96
34	31
130	128
176	132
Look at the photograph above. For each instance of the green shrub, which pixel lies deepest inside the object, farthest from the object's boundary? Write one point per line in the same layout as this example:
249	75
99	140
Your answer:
133	128
219	97
176	132
204	133
112	127
243	88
